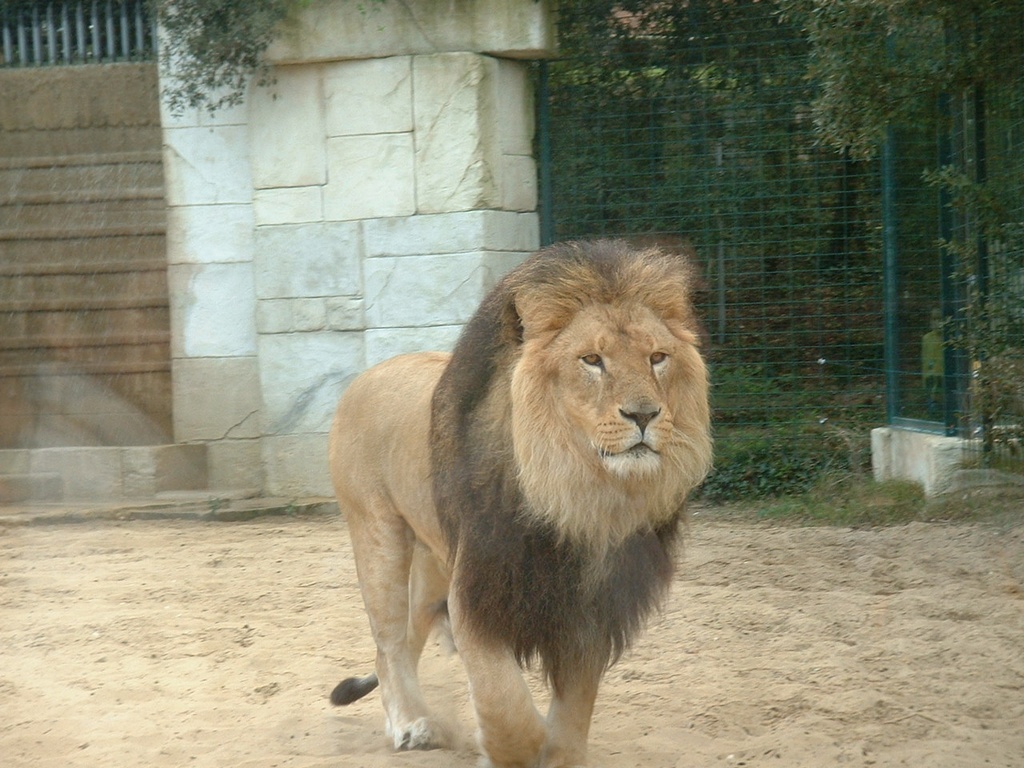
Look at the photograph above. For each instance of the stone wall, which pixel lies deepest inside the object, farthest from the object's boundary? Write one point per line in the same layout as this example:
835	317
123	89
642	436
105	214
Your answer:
359	208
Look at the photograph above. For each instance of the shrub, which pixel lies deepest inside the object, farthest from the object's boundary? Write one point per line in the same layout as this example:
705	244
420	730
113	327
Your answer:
758	464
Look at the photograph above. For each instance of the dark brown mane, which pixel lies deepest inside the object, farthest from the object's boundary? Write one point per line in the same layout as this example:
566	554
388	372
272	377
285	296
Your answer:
520	582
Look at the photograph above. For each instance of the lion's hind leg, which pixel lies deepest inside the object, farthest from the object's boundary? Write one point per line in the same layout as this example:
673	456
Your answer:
384	552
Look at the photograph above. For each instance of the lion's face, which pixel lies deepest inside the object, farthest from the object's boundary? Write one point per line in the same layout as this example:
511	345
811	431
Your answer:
610	421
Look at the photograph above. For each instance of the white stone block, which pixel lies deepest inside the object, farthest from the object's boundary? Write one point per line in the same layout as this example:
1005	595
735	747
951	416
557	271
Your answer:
288	315
302	375
511	231
204	234
928	459
309	314
287	205
514	108
346	313
87	473
274	316
881	454
497	263
234	464
328	31
370	176
518	183
385	343
212	310
296	465
287	122
204	166
370	96
457	147
423	290
216	398
452	233
153	469
306	260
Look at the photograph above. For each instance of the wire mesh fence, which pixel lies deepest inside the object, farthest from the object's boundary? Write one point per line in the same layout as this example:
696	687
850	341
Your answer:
704	134
709	141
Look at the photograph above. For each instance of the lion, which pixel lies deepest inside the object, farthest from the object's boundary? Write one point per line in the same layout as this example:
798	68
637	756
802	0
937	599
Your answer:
529	488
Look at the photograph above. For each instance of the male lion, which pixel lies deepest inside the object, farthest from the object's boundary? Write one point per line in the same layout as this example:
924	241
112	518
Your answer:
530	486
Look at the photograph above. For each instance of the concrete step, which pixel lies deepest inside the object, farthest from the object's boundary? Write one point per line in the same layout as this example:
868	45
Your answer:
102	473
45	486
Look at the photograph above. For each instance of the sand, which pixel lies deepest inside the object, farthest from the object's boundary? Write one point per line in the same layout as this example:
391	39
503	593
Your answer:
182	643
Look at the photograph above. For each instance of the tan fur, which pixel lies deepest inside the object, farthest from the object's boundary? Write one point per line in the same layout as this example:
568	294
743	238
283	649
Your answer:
572	441
584	467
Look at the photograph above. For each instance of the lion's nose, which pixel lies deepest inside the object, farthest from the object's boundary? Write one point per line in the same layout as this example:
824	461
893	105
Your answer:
641	415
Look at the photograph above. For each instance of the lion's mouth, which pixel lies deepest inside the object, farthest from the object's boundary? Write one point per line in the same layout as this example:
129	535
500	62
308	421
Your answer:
635	451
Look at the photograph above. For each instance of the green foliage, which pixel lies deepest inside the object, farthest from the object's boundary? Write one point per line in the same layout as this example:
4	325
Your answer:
843	499
857	501
214	48
692	120
759	464
989	328
874	60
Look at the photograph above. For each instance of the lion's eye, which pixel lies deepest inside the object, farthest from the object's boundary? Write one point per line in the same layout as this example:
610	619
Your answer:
658	357
593	360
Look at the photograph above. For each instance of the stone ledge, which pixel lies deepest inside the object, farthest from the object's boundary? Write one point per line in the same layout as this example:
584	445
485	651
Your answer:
330	30
223	507
90	473
925	458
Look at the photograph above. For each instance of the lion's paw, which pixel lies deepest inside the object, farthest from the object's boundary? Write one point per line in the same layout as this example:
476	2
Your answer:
422	733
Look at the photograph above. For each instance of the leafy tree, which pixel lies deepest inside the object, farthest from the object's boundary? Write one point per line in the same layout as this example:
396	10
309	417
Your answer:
878	61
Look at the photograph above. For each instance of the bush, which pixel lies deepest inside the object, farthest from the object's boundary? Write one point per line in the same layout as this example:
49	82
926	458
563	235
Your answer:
766	464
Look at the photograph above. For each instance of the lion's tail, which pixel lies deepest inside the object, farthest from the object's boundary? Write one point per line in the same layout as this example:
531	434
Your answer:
353	689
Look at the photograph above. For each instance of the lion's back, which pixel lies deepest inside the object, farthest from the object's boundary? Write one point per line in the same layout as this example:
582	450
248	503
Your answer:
379	437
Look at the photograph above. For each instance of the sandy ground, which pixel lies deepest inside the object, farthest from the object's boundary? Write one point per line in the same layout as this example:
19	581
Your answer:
216	644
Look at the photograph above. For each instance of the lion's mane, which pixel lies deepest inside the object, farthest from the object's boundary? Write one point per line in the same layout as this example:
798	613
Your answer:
561	581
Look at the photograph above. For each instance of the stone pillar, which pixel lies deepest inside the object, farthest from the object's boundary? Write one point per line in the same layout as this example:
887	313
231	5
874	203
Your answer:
210	234
371	197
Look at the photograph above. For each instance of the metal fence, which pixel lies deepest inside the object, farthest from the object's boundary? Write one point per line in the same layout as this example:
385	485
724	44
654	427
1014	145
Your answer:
711	143
55	33
956	297
706	137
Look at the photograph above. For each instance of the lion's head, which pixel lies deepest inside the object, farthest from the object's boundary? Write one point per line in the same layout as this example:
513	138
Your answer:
593	370
609	394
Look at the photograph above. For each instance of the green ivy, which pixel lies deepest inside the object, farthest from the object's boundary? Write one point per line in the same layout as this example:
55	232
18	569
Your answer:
215	47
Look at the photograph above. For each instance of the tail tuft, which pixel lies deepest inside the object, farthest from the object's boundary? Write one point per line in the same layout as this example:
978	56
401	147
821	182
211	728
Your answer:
352	689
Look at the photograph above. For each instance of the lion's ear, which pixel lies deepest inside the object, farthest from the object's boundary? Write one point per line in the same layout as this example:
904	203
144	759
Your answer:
543	312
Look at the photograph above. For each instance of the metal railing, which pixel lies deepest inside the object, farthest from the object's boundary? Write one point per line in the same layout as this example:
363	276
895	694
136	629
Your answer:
60	33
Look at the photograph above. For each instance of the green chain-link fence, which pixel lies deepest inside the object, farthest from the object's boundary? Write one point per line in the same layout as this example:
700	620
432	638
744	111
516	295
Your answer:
712	143
704	134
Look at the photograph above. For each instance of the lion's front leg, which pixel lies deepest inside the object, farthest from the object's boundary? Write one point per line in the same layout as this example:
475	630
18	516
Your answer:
568	722
510	731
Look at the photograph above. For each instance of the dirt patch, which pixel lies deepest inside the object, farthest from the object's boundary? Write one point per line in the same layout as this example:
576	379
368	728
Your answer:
174	643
